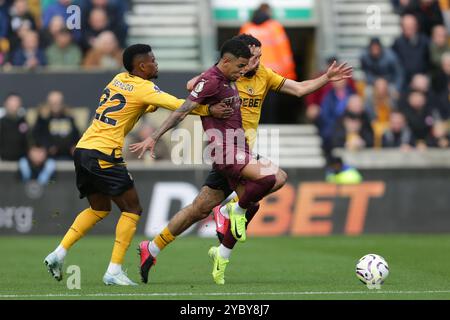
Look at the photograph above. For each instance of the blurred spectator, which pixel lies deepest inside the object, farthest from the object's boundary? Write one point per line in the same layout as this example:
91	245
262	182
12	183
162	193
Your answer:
36	166
115	11
429	14
349	133
398	135
5	5
162	151
380	62
401	6
340	173
441	87
276	47
332	108
21	21
419	117
353	130
13	129
47	35
98	22
314	100
58	8
29	55
421	83
439	45
4	25
380	109
439	136
412	49
55	128
105	54
382	103
4	41
355	106
442	78
63	53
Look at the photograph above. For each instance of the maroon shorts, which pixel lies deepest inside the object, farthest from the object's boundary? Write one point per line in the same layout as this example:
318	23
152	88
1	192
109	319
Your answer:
231	166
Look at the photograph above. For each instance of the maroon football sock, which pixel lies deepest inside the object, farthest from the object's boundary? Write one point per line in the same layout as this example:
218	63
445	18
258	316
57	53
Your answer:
255	190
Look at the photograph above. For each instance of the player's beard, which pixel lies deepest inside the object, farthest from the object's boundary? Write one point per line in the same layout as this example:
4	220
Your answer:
251	73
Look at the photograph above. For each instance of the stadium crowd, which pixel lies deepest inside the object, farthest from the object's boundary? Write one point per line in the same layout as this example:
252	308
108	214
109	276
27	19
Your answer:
403	100
35	33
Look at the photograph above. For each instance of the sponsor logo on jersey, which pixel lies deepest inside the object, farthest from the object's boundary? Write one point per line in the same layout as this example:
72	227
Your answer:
199	87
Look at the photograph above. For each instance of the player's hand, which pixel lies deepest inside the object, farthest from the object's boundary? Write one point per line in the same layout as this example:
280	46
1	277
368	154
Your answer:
190	84
147	144
221	110
337	73
254	60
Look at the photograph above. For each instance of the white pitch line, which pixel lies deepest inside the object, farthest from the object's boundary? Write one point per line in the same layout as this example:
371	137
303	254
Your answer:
180	294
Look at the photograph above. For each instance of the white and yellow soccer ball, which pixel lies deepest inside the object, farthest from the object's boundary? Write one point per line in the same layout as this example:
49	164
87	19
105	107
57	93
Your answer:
372	270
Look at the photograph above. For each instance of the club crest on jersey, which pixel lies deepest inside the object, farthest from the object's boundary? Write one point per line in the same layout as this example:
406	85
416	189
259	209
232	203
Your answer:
199	87
250	90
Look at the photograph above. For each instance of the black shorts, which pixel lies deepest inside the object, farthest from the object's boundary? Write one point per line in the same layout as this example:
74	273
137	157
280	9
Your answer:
215	180
112	180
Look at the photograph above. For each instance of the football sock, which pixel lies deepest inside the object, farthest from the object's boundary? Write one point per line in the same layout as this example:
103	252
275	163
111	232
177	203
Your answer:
126	227
224	212
60	252
231	197
238	209
251	213
114	268
82	224
224	252
228	240
153	248
255	190
163	239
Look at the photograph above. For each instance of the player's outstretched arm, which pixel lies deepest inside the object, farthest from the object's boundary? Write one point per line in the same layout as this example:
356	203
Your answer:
175	118
334	73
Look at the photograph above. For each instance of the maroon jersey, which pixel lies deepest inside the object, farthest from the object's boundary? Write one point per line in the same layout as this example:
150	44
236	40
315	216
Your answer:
213	87
232	149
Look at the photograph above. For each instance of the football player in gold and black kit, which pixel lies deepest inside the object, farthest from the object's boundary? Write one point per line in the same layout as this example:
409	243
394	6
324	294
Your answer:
101	173
253	88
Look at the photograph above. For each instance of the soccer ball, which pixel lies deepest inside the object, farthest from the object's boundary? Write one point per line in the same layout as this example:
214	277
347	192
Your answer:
372	270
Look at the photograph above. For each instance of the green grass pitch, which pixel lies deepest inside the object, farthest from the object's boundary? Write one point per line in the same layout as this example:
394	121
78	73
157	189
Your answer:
262	268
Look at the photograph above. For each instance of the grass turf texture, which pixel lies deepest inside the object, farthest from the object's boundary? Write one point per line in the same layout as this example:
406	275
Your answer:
262	268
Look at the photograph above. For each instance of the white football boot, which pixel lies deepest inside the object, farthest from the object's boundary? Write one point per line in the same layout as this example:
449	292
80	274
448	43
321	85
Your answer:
120	279
54	266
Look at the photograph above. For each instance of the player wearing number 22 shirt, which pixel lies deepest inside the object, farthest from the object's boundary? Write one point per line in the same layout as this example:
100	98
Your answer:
101	173
124	100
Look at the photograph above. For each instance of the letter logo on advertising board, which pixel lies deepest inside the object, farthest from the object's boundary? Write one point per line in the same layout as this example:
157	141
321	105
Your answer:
164	194
311	211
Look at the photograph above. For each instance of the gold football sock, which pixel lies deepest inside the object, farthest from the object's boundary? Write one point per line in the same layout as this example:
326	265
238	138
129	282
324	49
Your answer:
82	224
125	230
164	238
